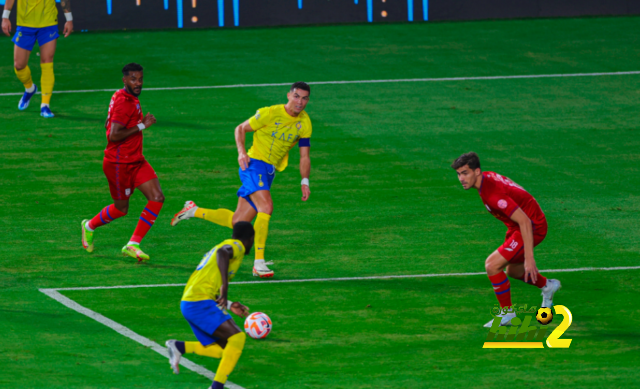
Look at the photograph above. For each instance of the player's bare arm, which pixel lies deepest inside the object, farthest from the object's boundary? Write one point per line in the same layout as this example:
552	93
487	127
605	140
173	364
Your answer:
68	26
305	171
526	229
223	256
6	23
240	134
239	309
119	132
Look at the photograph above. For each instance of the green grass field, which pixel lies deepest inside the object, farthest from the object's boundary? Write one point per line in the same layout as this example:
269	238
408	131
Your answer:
384	202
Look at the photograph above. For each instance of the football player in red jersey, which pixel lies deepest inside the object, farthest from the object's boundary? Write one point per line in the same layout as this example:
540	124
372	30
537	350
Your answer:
526	228
125	166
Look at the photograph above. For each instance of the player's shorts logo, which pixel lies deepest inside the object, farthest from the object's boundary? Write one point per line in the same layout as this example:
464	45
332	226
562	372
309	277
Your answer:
502	204
512	246
127	191
488	208
260	183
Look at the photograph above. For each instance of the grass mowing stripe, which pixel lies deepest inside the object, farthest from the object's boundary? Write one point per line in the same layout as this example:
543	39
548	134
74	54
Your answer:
348	278
354	82
122	330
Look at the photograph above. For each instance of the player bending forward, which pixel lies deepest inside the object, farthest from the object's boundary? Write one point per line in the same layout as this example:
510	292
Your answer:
526	228
277	129
125	166
204	305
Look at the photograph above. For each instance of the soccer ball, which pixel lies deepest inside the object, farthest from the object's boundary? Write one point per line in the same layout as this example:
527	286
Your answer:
544	316
257	325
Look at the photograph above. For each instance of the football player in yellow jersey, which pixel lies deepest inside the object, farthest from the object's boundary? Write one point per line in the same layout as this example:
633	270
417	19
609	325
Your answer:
204	305
37	20
276	130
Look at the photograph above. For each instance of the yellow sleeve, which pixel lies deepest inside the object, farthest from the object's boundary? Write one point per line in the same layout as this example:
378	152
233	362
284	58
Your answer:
260	119
306	131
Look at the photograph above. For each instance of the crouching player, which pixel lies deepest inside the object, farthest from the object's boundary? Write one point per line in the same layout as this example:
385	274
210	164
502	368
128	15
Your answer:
526	228
204	305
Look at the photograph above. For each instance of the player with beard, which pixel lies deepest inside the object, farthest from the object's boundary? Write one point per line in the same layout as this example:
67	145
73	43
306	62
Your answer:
124	165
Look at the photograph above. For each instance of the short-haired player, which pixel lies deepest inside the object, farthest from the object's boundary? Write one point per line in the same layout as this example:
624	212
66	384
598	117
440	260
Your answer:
277	129
526	228
125	167
205	303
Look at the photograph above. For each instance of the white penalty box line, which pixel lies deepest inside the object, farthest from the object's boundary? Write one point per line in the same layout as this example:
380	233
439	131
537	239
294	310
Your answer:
442	79
122	330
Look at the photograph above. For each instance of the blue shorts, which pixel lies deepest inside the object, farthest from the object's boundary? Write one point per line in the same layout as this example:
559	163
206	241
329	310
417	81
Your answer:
204	317
258	176
26	37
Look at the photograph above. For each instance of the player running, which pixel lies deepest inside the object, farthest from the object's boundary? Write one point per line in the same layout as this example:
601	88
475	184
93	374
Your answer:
277	129
37	20
125	166
204	305
526	228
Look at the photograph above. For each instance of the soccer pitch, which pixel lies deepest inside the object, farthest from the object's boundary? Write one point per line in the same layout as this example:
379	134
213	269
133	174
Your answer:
384	202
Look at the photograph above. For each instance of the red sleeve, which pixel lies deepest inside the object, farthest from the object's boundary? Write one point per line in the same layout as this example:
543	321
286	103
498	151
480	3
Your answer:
122	111
503	203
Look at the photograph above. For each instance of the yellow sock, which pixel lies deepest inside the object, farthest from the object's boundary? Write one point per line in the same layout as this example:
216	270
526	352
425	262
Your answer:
261	227
213	350
230	356
24	76
46	81
222	217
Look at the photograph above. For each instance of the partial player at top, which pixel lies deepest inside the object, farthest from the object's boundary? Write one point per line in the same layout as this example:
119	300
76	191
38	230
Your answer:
277	129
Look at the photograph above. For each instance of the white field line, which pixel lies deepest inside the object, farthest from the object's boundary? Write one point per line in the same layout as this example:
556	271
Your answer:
355	278
352	82
122	330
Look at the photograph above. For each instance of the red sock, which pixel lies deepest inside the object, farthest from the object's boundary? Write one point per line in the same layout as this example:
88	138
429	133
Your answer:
502	289
148	217
540	282
106	216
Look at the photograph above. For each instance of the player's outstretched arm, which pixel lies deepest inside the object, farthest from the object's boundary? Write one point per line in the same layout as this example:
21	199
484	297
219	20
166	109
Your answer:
240	134
530	269
305	171
6	23
68	26
223	256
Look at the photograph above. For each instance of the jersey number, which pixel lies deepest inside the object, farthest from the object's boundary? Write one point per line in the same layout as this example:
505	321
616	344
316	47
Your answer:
205	259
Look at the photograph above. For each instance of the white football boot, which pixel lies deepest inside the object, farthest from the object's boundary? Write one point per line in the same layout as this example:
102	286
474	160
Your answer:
261	270
506	319
174	356
185	213
548	291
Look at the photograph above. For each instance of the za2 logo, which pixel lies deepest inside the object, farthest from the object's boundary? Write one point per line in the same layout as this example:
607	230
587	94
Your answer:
520	334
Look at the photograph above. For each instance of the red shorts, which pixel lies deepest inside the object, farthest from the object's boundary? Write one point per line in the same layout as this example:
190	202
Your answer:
125	177
513	247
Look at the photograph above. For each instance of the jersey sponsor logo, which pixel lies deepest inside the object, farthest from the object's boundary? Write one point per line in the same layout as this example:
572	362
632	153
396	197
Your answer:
277	124
502	204
284	136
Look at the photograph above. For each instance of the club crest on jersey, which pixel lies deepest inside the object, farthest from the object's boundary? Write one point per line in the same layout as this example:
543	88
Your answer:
502	204
257	115
298	125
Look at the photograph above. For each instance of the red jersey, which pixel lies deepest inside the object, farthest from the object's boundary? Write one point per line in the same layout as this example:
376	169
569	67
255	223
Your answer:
503	197
125	110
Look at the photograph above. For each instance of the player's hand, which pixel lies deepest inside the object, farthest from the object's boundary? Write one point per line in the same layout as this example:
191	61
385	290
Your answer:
530	270
68	29
6	26
240	309
222	301
149	120
243	160
305	192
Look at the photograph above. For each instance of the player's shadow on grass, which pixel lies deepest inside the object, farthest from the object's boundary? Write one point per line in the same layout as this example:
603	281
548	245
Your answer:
193	126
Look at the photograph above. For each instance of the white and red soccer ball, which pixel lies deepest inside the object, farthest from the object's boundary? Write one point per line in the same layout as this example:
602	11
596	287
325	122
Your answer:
257	325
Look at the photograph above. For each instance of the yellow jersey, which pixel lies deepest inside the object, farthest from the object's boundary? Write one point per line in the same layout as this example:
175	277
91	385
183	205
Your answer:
276	133
37	13
205	282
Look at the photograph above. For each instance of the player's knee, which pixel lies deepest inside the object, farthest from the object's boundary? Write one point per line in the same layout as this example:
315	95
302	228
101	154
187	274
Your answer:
19	65
158	198
266	208
123	208
490	267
